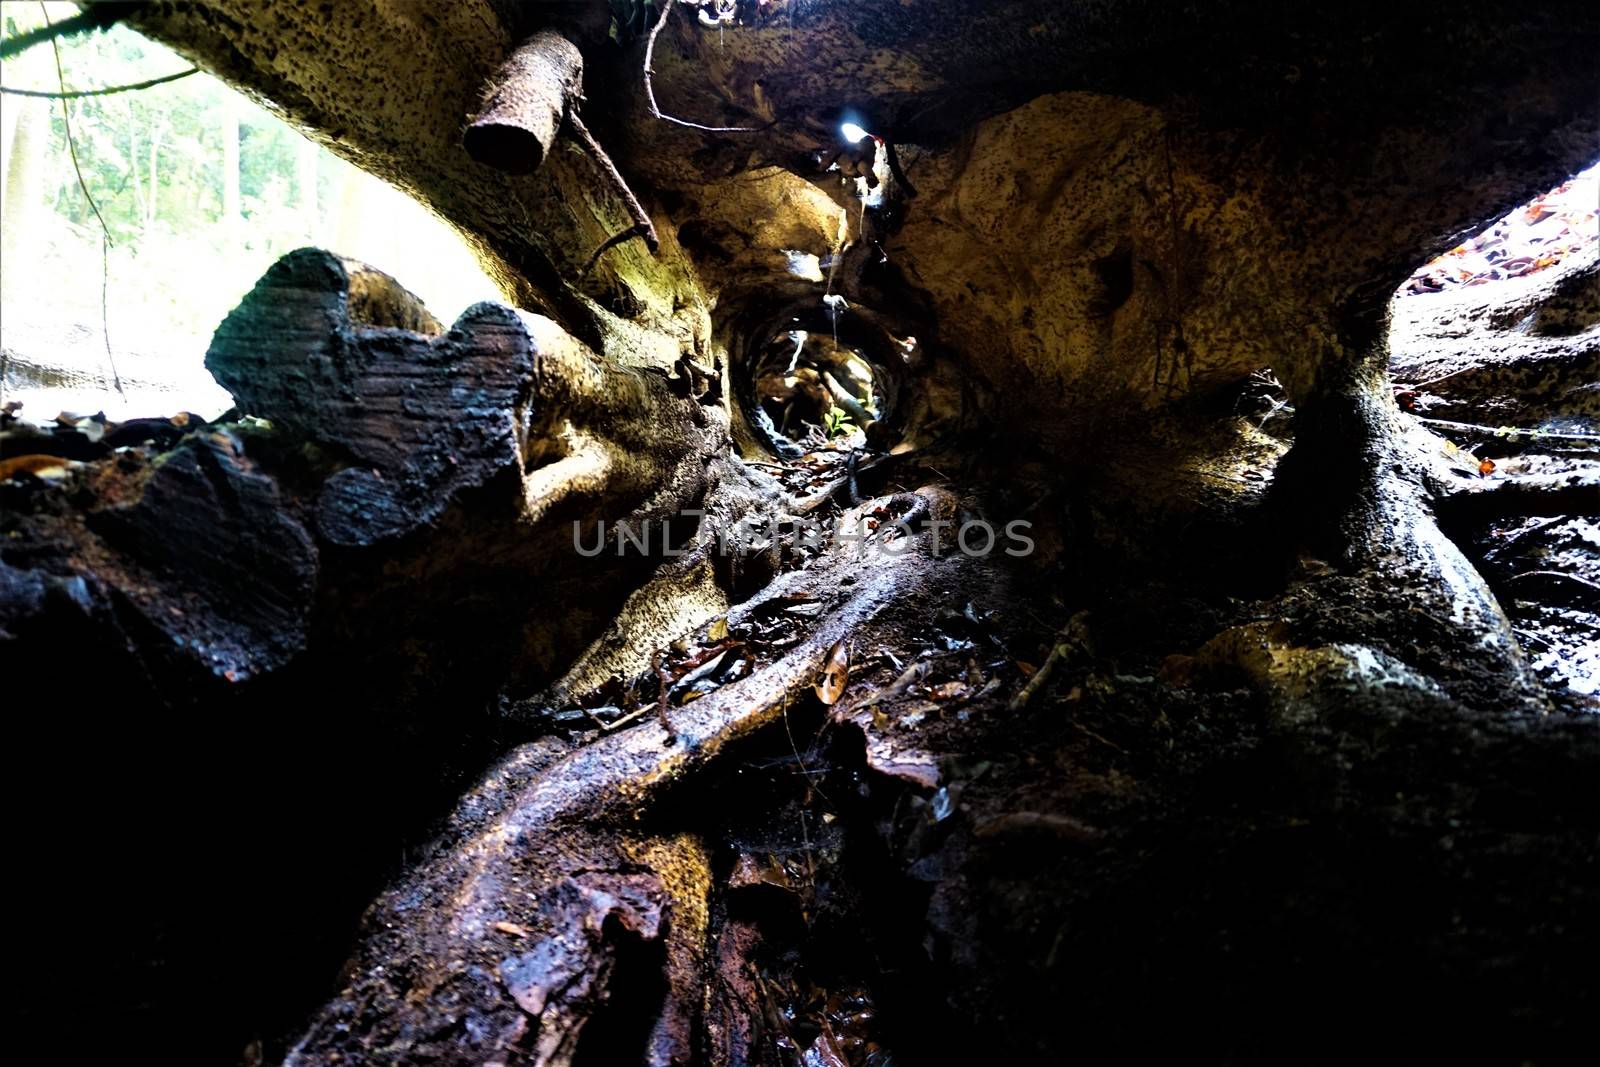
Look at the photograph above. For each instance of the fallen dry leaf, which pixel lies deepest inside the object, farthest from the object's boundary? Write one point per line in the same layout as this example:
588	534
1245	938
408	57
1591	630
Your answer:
510	928
1486	467
835	675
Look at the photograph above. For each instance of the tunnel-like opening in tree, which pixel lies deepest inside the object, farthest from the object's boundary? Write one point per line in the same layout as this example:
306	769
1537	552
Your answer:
812	391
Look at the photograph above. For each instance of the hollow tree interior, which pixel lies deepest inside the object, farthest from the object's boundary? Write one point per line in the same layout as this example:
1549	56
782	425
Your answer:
1025	531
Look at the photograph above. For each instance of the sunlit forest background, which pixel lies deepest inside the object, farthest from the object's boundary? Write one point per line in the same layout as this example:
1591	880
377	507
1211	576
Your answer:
201	190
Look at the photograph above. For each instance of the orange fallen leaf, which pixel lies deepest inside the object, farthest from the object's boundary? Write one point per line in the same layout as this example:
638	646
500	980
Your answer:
835	675
511	928
1486	467
45	468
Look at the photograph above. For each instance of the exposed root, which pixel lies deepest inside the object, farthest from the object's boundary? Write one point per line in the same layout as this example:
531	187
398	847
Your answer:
556	853
649	88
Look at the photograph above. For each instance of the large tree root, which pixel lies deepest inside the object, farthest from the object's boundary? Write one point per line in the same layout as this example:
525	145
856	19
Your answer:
503	944
570	872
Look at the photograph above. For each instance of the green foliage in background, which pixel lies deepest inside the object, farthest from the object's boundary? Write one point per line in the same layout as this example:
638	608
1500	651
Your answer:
154	160
201	191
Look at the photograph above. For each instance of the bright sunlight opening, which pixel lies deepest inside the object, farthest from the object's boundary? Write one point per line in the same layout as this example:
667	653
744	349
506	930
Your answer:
201	191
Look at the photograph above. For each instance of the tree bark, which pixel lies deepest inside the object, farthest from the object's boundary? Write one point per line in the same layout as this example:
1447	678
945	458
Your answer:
529	97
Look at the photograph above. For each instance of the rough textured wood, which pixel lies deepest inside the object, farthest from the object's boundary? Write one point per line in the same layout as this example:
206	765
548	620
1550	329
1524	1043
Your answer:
328	349
1120	205
214	559
529	97
390	86
497	942
1258	138
386	431
199	561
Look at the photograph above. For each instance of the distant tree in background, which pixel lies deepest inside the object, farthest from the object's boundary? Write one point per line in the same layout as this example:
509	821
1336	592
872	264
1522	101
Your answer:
201	191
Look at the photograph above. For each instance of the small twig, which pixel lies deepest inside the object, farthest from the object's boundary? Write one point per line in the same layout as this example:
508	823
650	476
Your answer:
1529	635
1440	378
1065	642
642	226
1538	527
659	706
1103	740
611	242
632	716
664	684
105	231
650	92
1555	574
1510	432
75	94
1058	652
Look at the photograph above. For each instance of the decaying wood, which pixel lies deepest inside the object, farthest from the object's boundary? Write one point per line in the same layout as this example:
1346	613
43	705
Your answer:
528	100
534	93
336	353
381	430
395	522
1071	640
556	851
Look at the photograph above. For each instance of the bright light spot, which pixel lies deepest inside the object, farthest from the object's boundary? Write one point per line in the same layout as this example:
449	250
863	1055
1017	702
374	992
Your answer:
804	265
1540	234
853	133
194	222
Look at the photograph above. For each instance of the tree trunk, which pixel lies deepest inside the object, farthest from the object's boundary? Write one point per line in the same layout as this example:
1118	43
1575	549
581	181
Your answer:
152	207
141	205
232	220
305	185
24	192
